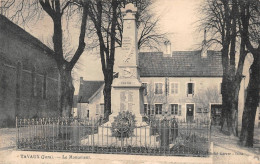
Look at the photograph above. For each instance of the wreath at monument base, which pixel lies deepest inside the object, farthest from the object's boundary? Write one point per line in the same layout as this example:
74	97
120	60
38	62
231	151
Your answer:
123	125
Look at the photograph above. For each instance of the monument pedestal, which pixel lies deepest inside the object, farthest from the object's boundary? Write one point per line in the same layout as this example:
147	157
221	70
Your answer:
127	92
127	96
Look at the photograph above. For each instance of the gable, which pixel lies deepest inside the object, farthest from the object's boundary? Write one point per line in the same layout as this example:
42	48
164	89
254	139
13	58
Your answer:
87	89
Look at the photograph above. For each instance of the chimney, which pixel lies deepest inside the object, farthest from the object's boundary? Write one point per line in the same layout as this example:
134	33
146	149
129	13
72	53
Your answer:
81	80
204	52
167	49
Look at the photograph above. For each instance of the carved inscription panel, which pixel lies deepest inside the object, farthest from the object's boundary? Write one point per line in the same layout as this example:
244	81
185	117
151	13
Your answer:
126	101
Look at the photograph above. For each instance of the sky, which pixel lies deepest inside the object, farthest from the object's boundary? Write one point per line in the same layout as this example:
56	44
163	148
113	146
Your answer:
177	17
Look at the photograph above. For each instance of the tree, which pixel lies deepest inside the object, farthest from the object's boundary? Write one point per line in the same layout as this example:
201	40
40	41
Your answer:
107	41
56	10
221	21
149	34
249	26
108	25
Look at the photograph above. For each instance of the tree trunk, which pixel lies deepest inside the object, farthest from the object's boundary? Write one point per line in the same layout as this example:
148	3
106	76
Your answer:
66	91
226	115
252	101
107	95
234	109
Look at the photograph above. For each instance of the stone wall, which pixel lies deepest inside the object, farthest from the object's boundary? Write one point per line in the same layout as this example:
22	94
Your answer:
28	76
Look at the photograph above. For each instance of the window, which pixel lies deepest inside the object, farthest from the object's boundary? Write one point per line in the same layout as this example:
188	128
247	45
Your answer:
150	110
158	108
174	88
145	88
174	109
158	88
190	88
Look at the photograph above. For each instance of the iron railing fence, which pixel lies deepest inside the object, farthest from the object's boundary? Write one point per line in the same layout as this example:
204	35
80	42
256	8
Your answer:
159	137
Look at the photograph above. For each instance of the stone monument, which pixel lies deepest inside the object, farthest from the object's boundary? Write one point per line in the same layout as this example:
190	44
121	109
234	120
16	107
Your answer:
126	89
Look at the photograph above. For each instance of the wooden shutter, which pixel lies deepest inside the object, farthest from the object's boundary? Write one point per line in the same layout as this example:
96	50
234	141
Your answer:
179	113
187	89
176	88
193	87
97	108
172	88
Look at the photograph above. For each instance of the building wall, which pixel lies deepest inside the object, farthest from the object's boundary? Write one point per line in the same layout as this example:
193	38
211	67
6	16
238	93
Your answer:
29	79
94	107
207	91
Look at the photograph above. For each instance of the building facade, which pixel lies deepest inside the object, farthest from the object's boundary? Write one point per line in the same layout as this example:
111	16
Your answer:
183	84
28	76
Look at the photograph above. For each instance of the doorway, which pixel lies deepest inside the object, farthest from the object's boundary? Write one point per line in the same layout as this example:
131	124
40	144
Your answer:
216	114
189	112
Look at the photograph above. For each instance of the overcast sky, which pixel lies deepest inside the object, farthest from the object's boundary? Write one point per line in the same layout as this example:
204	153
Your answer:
177	17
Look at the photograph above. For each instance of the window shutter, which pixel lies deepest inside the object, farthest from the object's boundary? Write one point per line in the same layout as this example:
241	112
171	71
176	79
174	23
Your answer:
193	86
172	88
187	90
97	108
220	88
179	110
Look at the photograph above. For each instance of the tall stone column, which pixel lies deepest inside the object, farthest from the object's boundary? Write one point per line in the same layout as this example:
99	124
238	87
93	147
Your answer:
126	89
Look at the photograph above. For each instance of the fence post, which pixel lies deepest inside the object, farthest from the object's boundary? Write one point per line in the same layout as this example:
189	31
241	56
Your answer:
92	129
17	133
